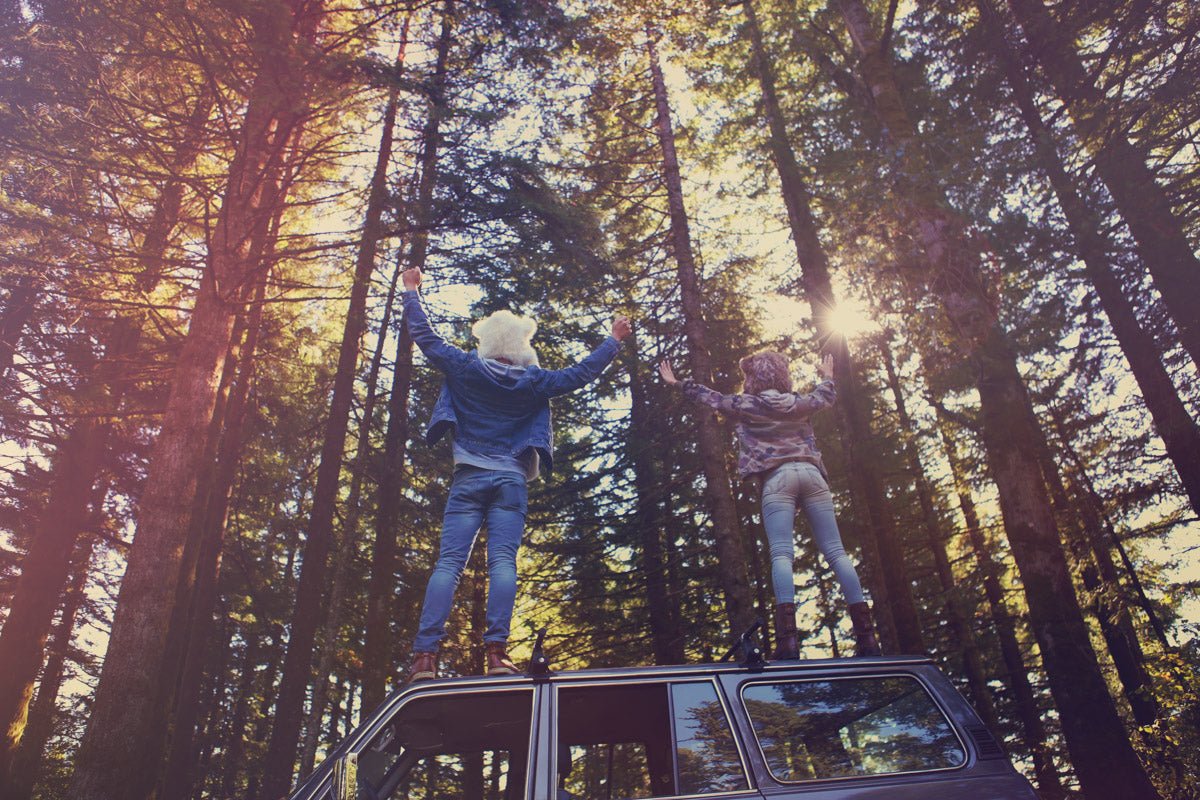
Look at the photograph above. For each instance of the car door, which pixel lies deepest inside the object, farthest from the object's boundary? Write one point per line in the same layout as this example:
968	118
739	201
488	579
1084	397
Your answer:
645	738
869	736
473	743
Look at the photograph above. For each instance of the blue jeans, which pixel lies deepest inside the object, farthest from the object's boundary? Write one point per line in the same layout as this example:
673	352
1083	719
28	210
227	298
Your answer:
476	496
785	487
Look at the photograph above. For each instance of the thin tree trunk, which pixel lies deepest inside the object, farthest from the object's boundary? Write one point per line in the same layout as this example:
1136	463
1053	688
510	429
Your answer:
964	635
891	585
379	647
727	529
297	667
1028	713
341	574
1108	537
117	757
1179	432
18	308
1158	231
665	635
234	746
1096	738
27	764
372	232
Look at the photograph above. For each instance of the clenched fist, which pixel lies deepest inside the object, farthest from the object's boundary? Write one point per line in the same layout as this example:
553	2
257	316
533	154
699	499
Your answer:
621	328
412	278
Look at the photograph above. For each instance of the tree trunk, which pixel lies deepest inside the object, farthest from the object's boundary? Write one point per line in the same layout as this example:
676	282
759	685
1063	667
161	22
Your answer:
18	308
1108	536
234	746
1096	738
1028	713
27	763
74	468
727	528
1159	233
341	573
891	586
114	759
379	647
177	778
297	667
368	245
661	608
960	624
1179	432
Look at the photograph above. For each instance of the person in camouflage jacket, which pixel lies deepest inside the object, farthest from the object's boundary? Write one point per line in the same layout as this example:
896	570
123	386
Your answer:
777	449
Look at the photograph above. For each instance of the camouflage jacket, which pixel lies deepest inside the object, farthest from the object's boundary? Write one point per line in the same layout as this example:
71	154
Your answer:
773	428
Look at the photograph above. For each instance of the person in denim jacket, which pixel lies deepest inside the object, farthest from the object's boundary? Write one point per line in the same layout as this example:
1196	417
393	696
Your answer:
777	448
495	404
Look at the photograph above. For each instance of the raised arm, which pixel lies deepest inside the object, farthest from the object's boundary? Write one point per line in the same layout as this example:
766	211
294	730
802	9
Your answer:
440	352
748	405
555	382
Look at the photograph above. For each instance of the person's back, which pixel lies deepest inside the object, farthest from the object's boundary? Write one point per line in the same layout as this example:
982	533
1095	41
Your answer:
495	406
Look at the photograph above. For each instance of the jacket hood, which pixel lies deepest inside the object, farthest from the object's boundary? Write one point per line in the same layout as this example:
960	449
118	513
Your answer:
778	401
503	373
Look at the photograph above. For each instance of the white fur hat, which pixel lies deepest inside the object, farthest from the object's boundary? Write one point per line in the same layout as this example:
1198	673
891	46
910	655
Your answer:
503	334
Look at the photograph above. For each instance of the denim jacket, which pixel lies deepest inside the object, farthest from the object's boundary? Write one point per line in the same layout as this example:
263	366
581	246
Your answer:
497	414
772	427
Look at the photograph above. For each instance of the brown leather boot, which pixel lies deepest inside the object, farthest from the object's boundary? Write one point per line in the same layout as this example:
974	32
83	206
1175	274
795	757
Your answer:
865	643
787	647
424	667
497	659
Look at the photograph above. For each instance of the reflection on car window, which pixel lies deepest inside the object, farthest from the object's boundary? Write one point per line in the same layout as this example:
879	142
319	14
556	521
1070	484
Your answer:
705	753
473	746
616	742
812	730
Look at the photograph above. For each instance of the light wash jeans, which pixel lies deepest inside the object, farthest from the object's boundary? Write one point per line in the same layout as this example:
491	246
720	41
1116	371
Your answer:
785	487
476	496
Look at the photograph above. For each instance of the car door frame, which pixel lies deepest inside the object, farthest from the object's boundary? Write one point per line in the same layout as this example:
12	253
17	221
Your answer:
732	684
357	740
546	788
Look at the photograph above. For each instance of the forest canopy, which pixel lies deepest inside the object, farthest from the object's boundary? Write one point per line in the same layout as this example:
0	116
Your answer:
218	509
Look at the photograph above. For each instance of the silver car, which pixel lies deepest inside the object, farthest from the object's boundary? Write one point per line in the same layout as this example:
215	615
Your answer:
864	728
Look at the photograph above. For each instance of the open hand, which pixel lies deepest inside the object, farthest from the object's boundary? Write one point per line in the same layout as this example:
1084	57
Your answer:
825	367
621	328
668	374
412	278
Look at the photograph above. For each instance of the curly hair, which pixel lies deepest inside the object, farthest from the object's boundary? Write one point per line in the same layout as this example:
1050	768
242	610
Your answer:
503	334
765	370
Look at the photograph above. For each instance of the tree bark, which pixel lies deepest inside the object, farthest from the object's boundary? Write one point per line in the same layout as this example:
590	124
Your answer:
891	586
1096	738
1158	231
379	646
113	756
727	529
1179	432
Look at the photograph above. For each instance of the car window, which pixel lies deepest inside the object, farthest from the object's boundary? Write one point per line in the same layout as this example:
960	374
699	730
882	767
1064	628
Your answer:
814	730
469	745
629	741
706	755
